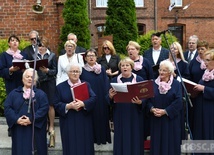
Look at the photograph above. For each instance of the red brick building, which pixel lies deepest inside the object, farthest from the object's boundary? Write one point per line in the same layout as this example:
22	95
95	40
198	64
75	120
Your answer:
17	17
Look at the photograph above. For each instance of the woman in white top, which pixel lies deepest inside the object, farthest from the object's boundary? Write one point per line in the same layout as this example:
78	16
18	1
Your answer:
64	60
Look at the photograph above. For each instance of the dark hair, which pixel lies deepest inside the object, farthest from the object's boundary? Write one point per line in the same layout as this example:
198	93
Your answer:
13	36
91	50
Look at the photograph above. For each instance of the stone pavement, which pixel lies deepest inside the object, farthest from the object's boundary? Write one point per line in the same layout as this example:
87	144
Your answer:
5	142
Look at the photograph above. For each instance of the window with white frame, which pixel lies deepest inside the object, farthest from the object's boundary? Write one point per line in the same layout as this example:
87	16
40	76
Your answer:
139	3
103	3
178	3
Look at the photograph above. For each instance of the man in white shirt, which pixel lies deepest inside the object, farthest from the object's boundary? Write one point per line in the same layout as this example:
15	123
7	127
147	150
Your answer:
157	53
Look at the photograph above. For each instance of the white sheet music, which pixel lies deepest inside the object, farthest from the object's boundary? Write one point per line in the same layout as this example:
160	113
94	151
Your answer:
120	87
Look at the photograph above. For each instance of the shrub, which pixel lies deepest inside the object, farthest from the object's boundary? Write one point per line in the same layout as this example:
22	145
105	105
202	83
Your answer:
4	47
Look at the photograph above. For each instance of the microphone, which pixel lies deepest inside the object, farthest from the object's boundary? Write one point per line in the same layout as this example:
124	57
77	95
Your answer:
162	32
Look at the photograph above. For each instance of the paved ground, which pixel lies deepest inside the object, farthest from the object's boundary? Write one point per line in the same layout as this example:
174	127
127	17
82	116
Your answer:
5	142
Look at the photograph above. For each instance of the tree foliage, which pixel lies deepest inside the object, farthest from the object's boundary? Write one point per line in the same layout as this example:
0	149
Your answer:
121	22
75	15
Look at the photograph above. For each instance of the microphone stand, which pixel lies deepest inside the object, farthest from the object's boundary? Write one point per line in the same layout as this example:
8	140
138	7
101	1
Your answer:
187	98
31	103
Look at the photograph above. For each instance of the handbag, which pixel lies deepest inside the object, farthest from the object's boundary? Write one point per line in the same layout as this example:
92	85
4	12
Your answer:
9	131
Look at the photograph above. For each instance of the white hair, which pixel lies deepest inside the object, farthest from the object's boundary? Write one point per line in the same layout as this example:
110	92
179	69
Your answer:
70	65
168	64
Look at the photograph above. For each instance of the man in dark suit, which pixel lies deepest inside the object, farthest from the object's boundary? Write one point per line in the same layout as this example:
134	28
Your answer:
156	54
30	50
192	49
79	49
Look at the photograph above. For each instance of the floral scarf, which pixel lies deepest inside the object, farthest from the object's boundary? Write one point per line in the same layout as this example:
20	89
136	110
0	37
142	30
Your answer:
16	55
208	75
138	65
133	80
164	87
202	66
96	68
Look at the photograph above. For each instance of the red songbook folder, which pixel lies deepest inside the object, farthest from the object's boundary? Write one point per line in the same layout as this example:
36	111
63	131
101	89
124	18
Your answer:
189	87
23	64
142	90
80	92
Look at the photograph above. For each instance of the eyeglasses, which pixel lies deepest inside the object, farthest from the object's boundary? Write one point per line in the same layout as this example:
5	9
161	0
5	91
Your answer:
74	72
163	70
92	56
32	39
106	48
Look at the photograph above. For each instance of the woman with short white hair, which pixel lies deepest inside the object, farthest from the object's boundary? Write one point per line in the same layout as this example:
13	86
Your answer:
165	110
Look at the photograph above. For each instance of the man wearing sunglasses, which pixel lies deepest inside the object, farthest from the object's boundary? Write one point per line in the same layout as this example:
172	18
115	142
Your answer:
30	50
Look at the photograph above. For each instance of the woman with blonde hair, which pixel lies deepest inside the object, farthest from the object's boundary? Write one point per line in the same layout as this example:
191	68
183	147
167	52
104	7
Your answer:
69	57
177	53
109	59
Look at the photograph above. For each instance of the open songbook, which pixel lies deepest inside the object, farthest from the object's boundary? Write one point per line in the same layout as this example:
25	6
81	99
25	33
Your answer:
189	87
127	91
24	64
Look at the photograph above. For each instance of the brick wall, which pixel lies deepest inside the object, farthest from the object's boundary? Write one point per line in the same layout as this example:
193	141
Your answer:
16	17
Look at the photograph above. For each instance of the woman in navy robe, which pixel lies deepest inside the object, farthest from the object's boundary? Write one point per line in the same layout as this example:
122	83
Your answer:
196	69
96	75
165	109
197	66
143	68
127	117
203	127
21	121
75	116
12	75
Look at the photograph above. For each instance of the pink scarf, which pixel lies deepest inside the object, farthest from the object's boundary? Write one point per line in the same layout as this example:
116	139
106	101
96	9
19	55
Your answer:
96	68
133	80
16	55
26	94
164	87
202	66
208	75
138	65
71	84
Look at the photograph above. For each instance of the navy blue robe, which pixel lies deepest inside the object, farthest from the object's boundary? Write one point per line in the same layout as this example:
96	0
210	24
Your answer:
203	127
183	68
22	135
166	130
196	74
128	126
11	81
146	72
195	71
75	126
100	85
